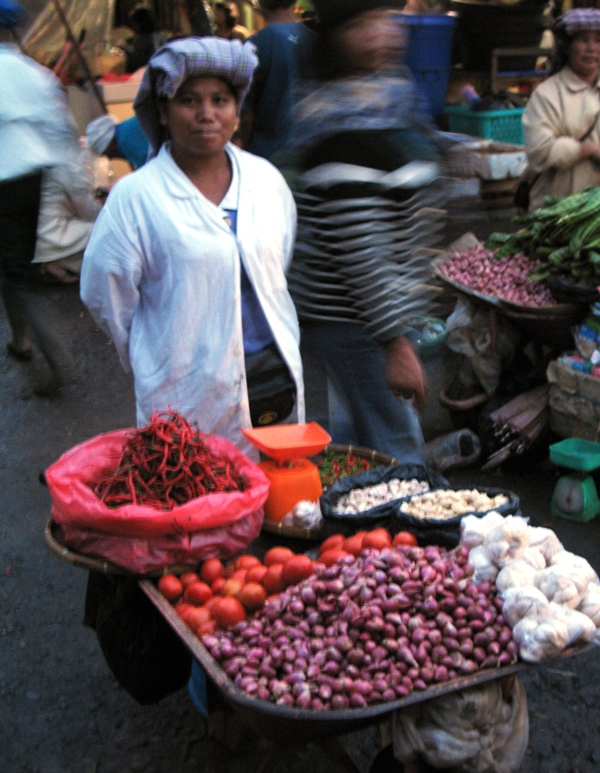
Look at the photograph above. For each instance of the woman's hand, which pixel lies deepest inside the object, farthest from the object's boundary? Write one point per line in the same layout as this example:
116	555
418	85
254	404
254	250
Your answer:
404	373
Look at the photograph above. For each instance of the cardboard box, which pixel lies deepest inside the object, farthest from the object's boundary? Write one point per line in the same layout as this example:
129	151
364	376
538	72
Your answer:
574	401
488	160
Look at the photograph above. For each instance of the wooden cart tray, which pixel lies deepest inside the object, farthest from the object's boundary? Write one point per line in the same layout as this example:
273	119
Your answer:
283	722
55	542
382	460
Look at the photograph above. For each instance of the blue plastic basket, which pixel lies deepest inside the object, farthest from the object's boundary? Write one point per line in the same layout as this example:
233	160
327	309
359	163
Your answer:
498	125
428	54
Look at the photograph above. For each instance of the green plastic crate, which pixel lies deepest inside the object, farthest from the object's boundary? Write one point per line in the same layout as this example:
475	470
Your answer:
498	125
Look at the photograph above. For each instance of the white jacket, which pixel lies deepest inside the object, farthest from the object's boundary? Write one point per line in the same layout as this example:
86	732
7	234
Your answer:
161	275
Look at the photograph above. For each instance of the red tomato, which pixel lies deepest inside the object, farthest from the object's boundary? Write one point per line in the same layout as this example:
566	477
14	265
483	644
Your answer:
377	538
239	574
246	561
211	569
252	596
228	611
277	555
188	577
170	586
405	538
335	541
197	616
296	569
207	628
256	573
197	592
332	556
217	585
232	586
182	608
272	580
353	545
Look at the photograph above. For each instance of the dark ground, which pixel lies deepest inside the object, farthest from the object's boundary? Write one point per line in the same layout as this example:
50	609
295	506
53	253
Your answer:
61	710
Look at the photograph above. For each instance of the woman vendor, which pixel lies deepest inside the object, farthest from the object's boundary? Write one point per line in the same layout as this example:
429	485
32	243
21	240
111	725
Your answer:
185	268
562	116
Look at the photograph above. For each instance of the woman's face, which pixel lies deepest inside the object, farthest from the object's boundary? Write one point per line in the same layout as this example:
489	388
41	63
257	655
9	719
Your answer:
584	56
371	41
201	117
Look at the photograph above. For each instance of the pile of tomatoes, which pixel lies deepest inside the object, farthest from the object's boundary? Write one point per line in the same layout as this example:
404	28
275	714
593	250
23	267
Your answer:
220	595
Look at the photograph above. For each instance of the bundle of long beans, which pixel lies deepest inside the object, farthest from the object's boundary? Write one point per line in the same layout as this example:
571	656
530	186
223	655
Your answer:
563	236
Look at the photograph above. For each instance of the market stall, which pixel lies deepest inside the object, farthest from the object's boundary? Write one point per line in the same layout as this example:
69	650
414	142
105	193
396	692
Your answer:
349	630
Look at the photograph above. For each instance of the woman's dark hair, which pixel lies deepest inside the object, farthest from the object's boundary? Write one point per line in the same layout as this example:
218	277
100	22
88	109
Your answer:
560	54
274	5
231	13
142	21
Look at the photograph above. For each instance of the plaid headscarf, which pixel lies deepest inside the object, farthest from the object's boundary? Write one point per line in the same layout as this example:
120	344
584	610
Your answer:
578	20
230	60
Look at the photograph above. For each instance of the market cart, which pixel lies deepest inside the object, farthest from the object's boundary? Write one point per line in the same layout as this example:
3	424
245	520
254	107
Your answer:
283	723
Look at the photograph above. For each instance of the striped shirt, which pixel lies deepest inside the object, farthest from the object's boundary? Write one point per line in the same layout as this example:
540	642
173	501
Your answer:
359	254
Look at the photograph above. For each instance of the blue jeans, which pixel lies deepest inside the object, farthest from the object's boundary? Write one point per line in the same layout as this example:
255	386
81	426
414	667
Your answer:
362	409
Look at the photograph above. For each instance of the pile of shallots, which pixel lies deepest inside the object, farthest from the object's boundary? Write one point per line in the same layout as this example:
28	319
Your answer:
368	629
506	278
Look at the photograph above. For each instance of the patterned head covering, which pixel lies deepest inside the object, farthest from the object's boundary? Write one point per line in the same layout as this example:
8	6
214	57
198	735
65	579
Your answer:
578	20
11	14
230	60
100	132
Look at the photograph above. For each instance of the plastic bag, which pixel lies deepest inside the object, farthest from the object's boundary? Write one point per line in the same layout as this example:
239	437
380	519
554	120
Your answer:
141	538
350	523
454	450
482	729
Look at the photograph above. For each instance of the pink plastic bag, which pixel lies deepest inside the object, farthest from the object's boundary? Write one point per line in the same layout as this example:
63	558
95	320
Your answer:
142	539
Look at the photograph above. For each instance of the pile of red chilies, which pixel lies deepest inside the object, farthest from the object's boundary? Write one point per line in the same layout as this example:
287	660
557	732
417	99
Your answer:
165	464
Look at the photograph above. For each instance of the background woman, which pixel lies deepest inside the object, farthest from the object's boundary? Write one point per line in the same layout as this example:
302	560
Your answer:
562	116
186	265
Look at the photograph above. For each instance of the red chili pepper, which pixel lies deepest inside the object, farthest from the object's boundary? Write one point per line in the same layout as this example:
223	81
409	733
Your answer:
166	464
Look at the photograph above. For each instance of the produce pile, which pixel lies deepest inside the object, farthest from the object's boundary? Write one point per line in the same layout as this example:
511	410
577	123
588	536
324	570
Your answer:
165	464
448	503
562	237
550	596
367	629
334	465
358	500
509	275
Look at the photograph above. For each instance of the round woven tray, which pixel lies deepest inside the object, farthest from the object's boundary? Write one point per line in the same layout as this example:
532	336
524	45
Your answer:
55	542
382	460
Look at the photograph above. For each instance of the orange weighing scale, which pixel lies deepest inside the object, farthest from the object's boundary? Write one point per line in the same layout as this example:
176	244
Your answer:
293	477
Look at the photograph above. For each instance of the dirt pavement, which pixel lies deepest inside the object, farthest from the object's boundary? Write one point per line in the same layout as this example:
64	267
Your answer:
61	711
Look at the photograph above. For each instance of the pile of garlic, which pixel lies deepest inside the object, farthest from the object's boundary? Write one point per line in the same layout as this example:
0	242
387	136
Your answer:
551	596
360	499
448	503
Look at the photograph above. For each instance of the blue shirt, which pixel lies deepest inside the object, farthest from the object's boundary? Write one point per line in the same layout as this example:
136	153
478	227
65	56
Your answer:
283	51
132	142
256	331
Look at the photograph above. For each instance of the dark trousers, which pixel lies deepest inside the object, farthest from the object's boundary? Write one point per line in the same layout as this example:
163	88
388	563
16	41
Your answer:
29	310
